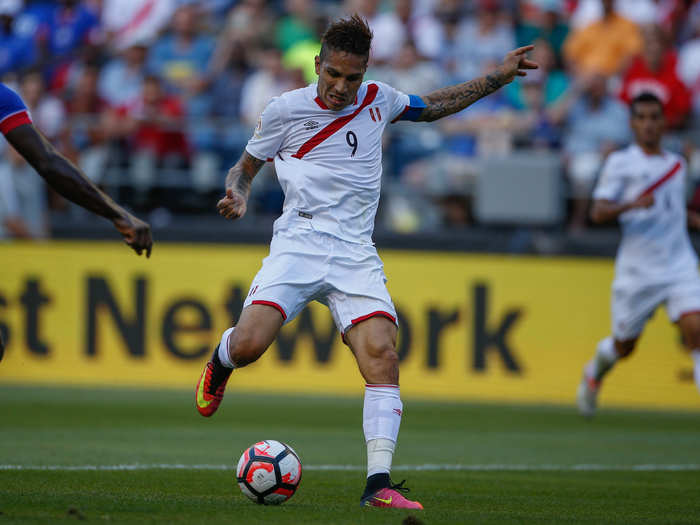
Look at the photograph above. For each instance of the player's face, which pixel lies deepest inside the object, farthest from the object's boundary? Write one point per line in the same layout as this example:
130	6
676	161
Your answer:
648	123
340	75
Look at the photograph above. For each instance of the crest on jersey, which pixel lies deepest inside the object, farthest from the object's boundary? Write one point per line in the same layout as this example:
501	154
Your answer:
311	124
258	128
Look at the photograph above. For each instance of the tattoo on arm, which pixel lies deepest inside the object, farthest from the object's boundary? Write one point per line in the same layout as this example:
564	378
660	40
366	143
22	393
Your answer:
241	176
449	100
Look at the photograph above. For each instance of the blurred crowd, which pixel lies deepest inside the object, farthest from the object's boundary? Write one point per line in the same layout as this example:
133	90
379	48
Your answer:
156	99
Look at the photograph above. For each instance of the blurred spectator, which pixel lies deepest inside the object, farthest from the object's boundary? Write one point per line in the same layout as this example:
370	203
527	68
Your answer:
544	23
534	125
484	39
605	46
226	97
640	12
554	82
297	25
17	50
130	21
449	13
121	79
22	199
299	59
270	80
155	122
47	111
399	25
181	58
249	25
412	74
597	123
689	61
86	128
655	72
72	27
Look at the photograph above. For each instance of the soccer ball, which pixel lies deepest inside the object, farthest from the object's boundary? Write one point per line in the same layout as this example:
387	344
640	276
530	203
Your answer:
269	472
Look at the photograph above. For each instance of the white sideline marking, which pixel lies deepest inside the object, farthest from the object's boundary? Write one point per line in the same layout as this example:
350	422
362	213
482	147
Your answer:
427	467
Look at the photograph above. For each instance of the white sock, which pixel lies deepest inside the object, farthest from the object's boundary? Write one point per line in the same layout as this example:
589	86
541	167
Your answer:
695	354
223	349
381	419
604	359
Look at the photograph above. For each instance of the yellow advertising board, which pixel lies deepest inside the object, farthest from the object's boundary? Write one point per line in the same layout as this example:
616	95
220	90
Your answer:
473	327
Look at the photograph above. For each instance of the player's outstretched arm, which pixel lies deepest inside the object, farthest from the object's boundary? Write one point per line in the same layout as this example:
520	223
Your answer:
605	211
238	181
449	100
64	177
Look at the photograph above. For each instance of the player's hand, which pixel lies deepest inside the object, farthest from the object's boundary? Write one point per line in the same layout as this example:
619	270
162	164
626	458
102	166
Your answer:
136	233
643	201
516	63
233	205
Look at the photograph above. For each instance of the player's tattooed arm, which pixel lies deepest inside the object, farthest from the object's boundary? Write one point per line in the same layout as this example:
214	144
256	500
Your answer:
449	100
238	181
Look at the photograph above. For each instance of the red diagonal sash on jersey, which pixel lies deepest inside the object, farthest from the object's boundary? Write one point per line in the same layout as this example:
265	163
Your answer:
336	124
670	173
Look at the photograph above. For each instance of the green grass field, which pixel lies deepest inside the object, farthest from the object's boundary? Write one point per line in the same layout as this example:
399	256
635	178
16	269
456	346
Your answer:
465	463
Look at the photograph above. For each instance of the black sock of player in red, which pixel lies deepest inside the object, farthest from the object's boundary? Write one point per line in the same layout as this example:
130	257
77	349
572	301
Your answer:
376	482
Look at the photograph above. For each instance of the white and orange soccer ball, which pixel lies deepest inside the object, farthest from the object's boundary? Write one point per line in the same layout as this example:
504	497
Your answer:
269	472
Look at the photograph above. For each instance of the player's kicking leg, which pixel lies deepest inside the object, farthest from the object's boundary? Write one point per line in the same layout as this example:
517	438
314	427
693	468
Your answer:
239	346
373	342
608	352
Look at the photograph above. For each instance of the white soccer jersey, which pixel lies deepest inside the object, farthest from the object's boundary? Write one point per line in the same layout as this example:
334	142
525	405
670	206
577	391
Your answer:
655	246
329	163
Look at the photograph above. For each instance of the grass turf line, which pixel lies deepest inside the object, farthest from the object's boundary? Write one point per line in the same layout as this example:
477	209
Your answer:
104	427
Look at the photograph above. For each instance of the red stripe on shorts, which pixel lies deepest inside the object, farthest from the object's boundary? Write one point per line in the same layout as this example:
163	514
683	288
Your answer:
274	305
378	313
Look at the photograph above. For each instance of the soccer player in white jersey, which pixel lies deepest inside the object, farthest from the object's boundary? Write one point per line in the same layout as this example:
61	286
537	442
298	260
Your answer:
325	141
643	186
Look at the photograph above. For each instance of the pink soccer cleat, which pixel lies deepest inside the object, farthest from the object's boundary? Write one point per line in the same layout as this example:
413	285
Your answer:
391	497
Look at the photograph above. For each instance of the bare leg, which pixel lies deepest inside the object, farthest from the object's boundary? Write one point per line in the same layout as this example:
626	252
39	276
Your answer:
240	346
690	328
255	331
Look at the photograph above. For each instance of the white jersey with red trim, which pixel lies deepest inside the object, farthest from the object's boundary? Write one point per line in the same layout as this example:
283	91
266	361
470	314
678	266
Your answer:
329	163
655	245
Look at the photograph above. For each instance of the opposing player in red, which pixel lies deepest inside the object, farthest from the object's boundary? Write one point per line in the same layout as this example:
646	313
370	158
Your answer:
63	176
325	140
643	186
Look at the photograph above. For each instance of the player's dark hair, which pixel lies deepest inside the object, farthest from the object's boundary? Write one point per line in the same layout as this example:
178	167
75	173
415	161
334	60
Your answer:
643	98
351	35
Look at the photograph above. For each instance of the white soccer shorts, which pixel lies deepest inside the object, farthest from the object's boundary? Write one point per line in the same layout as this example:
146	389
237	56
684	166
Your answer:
633	306
308	265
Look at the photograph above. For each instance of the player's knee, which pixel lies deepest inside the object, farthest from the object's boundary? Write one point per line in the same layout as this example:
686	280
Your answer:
245	347
385	359
624	348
